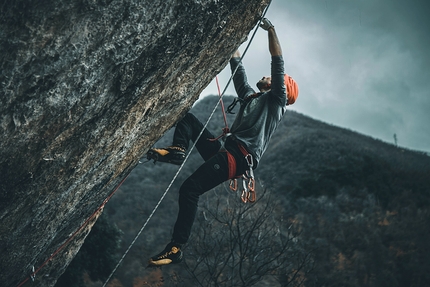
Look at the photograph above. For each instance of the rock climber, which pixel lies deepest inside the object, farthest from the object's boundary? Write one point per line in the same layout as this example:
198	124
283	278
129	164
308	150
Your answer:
258	117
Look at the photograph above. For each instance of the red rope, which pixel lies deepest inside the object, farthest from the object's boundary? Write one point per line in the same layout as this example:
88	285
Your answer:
75	233
226	129
222	105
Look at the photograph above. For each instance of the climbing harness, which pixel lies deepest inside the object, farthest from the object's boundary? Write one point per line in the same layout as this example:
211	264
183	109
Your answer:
248	193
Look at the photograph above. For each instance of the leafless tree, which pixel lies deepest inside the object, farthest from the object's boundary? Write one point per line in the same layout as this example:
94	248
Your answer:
236	244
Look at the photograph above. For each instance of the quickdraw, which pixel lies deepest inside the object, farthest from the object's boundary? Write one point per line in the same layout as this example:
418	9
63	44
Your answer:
248	189
248	193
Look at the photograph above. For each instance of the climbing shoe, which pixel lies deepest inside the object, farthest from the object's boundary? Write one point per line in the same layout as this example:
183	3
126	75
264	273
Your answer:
171	154
170	255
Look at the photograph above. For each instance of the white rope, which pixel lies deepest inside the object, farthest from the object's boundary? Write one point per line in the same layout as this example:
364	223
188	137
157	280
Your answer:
186	158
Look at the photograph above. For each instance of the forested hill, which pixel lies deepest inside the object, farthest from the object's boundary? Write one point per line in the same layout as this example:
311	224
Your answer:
311	158
357	208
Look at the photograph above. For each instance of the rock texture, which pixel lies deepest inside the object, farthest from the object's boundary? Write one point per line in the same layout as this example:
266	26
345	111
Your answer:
87	87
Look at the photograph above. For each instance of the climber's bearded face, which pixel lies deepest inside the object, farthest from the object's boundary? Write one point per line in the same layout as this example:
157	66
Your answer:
264	84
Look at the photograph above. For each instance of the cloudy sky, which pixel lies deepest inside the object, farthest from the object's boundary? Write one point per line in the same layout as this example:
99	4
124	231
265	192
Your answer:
360	64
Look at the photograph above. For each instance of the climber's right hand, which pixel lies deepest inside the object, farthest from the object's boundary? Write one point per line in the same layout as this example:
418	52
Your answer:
266	24
236	54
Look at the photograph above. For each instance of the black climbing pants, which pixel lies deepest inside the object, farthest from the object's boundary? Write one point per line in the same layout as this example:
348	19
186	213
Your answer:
214	171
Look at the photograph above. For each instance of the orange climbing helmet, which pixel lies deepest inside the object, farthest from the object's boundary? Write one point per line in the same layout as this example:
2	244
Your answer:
292	89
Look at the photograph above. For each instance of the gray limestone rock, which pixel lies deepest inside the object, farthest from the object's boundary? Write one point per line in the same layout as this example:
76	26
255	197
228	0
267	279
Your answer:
86	87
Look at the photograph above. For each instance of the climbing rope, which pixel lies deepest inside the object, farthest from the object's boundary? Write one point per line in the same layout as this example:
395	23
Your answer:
188	154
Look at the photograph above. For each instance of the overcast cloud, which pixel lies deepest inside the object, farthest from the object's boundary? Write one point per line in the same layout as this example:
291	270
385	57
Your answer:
360	64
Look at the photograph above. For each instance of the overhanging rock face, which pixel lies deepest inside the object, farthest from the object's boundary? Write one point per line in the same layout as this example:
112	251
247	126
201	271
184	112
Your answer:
86	88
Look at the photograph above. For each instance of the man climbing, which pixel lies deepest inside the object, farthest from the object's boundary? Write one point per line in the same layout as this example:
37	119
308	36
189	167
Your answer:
257	119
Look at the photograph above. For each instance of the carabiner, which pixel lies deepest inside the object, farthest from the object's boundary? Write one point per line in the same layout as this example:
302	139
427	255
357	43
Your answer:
233	184
251	184
245	193
252	196
244	196
249	160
